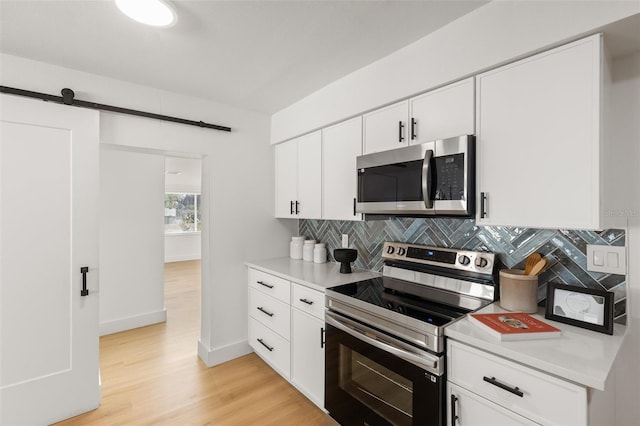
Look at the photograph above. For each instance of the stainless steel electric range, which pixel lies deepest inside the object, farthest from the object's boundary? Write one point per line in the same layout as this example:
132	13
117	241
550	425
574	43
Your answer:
385	350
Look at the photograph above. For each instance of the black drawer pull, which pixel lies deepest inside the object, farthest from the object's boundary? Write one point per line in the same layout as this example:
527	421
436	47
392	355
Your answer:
270	348
261	309
265	284
308	302
494	382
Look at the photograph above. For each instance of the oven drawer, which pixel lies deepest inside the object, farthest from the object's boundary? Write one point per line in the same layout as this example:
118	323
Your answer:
270	284
271	312
308	300
540	397
271	347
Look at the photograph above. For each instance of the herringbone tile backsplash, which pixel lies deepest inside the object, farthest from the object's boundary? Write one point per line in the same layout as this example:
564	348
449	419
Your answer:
564	249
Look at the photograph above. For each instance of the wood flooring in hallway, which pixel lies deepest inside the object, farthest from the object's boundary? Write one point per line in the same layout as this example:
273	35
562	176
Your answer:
153	376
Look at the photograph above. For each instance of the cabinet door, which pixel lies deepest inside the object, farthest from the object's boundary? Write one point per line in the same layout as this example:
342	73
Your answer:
286	178
538	139
470	409
386	128
341	144
310	176
443	113
307	364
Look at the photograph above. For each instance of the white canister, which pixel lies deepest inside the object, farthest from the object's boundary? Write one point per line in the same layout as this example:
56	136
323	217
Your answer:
320	253
307	250
295	247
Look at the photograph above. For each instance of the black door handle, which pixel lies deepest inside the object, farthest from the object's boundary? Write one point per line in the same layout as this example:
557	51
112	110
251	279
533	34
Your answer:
291	205
413	128
84	270
307	301
264	311
454	416
321	337
297	204
269	348
400	127
354	206
483	207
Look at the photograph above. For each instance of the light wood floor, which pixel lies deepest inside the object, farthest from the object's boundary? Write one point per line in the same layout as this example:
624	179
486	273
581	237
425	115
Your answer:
153	376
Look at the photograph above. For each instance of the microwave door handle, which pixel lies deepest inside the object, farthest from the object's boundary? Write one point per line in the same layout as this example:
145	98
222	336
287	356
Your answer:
426	179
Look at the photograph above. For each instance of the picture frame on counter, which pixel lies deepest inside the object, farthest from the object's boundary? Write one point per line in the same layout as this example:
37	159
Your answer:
581	307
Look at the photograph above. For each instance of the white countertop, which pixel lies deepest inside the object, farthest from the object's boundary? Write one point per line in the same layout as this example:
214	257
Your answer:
579	355
318	276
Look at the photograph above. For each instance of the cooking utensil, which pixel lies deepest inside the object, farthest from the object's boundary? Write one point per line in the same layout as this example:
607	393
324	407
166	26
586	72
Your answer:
531	262
538	267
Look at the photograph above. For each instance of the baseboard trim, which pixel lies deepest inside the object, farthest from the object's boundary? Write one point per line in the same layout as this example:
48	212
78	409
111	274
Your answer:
115	326
182	258
226	353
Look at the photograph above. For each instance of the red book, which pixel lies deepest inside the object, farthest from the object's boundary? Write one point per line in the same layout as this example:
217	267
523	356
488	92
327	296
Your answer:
514	326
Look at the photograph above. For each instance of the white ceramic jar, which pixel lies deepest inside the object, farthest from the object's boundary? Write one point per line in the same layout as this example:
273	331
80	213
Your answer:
307	250
295	247
320	253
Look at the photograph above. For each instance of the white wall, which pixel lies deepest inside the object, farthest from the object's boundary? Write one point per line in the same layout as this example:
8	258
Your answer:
238	220
181	247
496	33
131	240
626	124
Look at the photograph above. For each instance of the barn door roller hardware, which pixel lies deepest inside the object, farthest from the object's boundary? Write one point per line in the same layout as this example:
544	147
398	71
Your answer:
68	95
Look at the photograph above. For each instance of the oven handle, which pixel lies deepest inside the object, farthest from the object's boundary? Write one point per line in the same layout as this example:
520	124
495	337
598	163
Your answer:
426	179
365	334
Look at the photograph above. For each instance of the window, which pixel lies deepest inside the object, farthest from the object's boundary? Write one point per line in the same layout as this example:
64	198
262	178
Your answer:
181	213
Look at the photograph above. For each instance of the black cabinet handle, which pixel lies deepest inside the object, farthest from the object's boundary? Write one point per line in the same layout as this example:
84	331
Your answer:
413	128
493	381
291	206
308	302
400	127
321	337
297	204
454	416
265	284
261	309
483	202
270	348
354	206
84	270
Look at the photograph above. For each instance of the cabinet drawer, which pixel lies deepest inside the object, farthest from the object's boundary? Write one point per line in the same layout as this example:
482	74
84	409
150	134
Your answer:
271	347
473	410
544	399
271	312
270	284
308	300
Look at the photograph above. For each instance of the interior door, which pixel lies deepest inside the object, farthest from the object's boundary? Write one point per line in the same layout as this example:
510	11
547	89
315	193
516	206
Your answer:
48	232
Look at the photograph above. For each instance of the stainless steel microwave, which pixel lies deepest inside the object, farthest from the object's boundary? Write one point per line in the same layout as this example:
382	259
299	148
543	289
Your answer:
431	179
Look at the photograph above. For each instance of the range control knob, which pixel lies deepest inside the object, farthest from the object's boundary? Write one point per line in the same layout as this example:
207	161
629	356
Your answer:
401	251
481	262
464	260
390	250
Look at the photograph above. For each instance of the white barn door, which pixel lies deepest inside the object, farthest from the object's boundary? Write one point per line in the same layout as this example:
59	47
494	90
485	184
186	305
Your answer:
48	232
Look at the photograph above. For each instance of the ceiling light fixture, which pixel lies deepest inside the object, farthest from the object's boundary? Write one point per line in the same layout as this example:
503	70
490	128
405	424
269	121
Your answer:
157	13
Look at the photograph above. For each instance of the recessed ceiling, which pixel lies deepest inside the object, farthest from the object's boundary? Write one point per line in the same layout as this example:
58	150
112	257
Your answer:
261	55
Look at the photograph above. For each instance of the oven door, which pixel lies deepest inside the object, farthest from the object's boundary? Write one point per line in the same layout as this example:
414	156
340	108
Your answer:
374	379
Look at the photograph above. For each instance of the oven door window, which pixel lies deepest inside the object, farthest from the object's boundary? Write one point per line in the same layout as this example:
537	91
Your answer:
365	385
386	393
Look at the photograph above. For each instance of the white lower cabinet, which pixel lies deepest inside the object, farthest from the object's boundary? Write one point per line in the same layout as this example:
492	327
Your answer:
484	383
307	355
470	409
286	329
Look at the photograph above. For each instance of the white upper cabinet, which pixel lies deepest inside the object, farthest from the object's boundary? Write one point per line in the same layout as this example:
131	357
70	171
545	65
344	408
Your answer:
443	113
298	177
386	128
538	140
341	144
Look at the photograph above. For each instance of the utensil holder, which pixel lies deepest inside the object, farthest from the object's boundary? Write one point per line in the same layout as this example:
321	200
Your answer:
518	292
